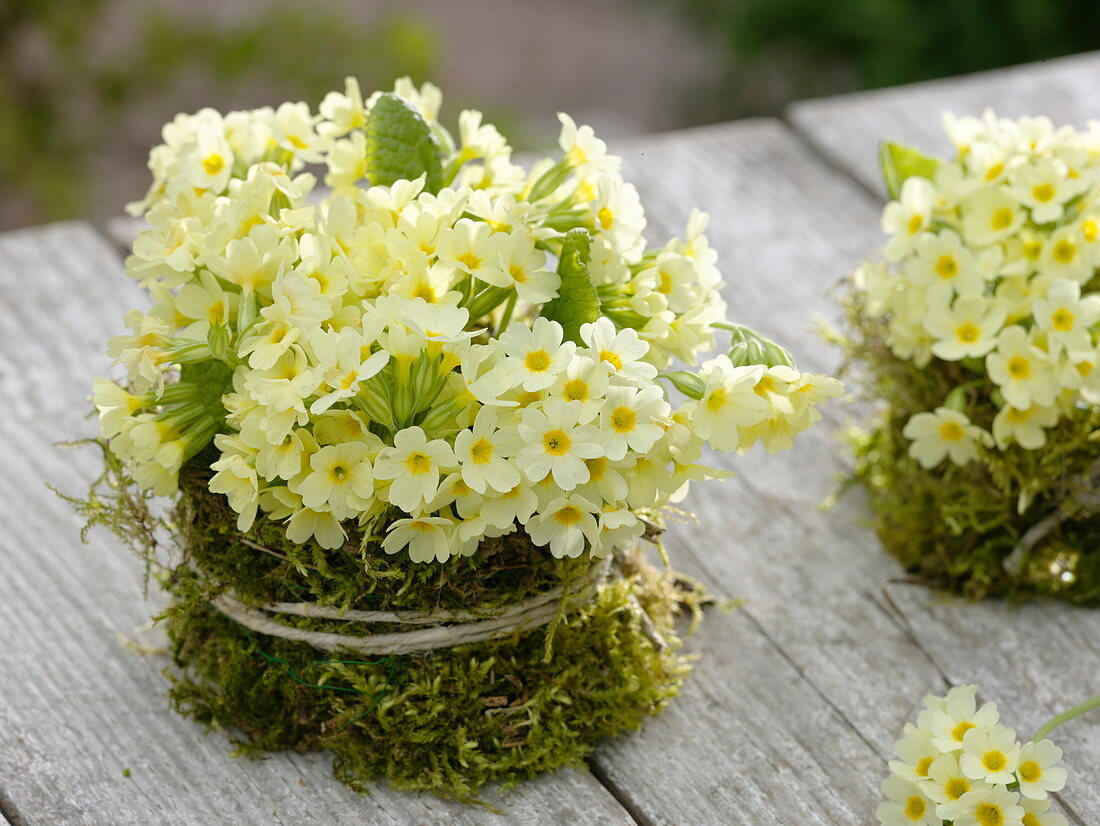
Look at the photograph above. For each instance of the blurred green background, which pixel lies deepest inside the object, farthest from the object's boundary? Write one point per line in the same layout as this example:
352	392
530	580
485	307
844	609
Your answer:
85	85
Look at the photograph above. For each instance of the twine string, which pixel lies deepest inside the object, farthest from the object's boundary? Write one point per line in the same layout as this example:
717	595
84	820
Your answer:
429	630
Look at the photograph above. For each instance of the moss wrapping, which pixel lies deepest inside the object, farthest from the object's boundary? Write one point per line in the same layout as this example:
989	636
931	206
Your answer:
447	721
953	527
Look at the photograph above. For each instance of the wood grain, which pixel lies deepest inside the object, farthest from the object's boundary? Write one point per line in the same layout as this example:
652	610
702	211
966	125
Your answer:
811	716
847	129
76	707
1039	659
798	697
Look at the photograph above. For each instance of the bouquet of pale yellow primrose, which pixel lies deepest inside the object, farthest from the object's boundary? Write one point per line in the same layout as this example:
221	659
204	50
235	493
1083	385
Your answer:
445	348
959	765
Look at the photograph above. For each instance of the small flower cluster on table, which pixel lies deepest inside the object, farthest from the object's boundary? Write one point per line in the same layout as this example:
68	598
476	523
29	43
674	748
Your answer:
960	765
991	265
447	348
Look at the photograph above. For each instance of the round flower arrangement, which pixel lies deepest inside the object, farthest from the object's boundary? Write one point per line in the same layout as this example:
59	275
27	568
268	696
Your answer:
412	432
979	332
960	766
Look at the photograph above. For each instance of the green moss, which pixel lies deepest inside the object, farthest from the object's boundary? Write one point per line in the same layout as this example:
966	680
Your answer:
448	721
953	527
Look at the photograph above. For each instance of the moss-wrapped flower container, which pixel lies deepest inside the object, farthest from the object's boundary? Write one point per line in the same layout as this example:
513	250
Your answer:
977	336
415	434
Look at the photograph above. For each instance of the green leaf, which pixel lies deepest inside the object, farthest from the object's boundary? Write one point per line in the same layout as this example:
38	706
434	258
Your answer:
900	162
400	145
577	302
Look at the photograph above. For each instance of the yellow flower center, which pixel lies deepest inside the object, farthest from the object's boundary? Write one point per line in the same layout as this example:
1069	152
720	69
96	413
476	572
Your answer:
664	287
469	260
922	767
914	808
339	471
418	463
623	420
956	787
1031	819
968	333
1019	367
994	171
1089	230
575	157
1030	771
1017	416
481	451
1084	368
1062	320
518	274
576	390
959	732
952	432
569	515
606	218
989	814
612	358
1042	192
557	442
213	164
717	400
537	361
1032	250
1001	218
947	267
1064	251
994	761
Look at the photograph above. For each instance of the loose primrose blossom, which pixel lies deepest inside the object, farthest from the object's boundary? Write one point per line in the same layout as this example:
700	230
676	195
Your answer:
405	356
959	765
990	265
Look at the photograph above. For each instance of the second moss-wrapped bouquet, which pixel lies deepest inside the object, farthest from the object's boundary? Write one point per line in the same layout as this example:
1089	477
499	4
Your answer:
979	334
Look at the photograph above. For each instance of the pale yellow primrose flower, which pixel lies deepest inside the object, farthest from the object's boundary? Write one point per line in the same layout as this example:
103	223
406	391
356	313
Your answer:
941	434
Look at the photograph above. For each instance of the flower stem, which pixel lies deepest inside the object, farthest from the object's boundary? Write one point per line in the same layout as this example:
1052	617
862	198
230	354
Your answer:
1076	711
507	317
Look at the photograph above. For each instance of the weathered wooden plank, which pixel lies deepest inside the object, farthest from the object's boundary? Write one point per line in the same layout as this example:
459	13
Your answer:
76	708
840	676
847	129
1038	659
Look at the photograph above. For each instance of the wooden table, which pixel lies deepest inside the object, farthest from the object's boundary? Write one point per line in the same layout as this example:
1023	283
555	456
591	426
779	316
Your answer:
791	714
